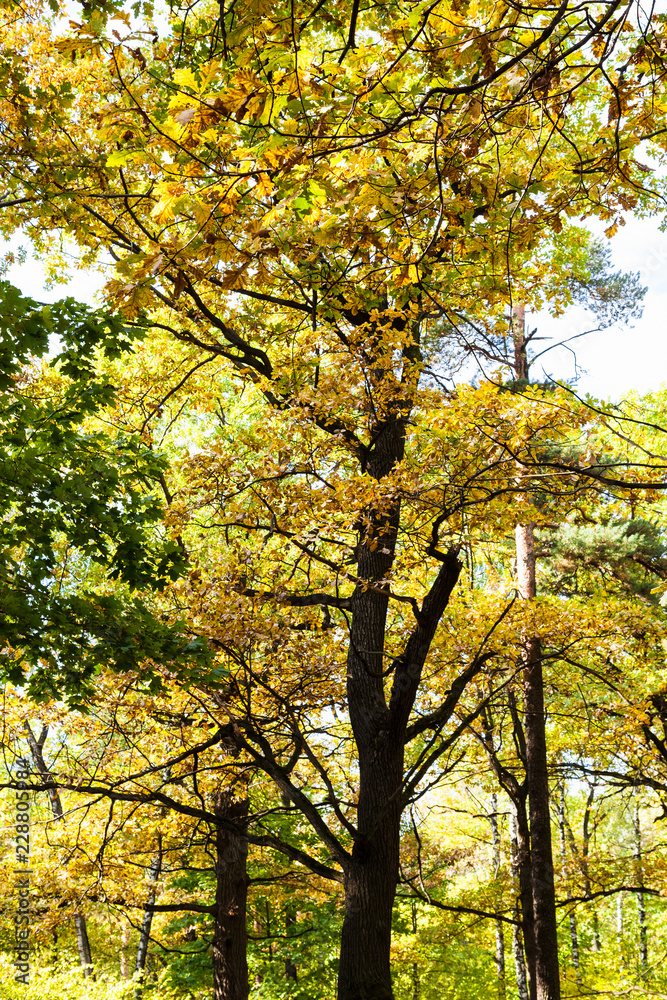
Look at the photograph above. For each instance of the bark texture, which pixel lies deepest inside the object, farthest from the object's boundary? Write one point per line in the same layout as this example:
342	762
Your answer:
547	976
371	873
230	937
83	944
517	942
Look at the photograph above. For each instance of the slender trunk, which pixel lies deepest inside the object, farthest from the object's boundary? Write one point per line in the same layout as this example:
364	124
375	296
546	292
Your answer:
547	975
574	938
124	964
290	966
257	931
83	944
519	337
230	936
495	866
416	978
544	892
583	862
619	930
519	958
147	921
80	928
641	904
597	944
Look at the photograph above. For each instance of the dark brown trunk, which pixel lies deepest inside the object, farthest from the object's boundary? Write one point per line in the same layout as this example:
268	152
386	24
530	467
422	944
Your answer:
518	938
547	976
372	873
524	869
370	886
230	936
537	779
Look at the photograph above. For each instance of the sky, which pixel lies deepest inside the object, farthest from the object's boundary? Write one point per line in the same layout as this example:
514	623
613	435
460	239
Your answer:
618	360
607	364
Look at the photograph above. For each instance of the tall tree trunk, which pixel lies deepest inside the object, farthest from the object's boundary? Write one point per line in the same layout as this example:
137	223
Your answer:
583	860
147	921
370	881
523	931
230	936
585	847
547	975
574	937
80	927
641	903
619	930
371	871
544	893
495	867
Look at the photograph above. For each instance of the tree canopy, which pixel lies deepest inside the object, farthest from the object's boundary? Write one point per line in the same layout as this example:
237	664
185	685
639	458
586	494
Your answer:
390	577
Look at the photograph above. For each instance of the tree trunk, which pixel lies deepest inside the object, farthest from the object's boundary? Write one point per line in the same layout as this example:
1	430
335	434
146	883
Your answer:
500	936
524	962
379	729
372	872
290	966
547	976
370	882
574	937
416	978
542	870
586	839
230	936
83	944
596	944
146	923
80	928
124	964
641	904
519	961
619	930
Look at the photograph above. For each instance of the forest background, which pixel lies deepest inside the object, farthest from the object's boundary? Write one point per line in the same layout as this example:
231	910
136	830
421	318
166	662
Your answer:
333	629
